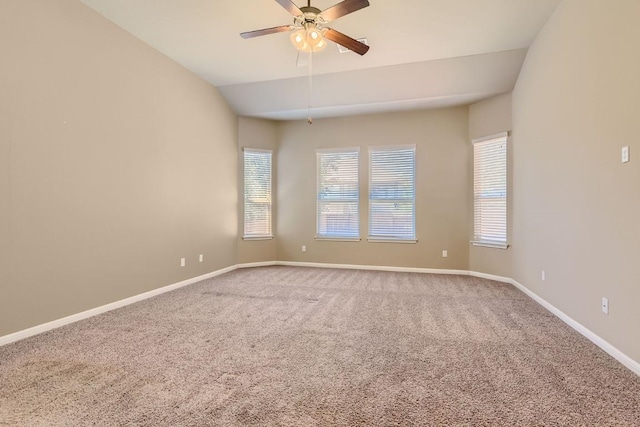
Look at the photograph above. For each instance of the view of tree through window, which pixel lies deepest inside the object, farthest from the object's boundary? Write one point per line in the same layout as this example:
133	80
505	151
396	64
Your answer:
338	194
392	193
257	193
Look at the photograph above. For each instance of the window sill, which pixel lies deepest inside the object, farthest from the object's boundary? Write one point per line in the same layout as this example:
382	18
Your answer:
257	238
338	239
390	240
490	245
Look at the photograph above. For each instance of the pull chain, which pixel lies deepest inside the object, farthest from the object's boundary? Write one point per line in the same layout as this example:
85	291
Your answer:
309	72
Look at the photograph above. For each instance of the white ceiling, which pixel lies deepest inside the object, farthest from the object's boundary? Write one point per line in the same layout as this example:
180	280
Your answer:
424	53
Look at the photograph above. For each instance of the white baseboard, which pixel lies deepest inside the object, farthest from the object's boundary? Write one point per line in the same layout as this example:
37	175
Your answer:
490	277
26	333
258	264
631	364
372	267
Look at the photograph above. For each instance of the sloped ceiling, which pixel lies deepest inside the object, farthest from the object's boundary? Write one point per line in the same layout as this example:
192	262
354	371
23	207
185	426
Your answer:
424	53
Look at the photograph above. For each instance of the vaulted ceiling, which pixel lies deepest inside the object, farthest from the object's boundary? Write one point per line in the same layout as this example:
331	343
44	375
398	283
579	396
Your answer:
424	53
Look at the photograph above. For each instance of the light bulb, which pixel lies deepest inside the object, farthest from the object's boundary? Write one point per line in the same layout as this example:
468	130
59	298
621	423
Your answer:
298	38
321	44
315	40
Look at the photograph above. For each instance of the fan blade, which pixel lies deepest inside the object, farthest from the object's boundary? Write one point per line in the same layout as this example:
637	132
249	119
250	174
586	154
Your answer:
265	31
346	41
343	8
292	8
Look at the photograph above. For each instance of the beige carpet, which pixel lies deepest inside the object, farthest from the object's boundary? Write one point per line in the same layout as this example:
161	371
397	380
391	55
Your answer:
283	346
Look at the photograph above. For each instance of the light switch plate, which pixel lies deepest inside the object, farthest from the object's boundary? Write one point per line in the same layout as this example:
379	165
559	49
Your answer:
625	154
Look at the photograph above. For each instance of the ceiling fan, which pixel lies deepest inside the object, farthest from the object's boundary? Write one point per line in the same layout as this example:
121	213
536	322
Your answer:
309	26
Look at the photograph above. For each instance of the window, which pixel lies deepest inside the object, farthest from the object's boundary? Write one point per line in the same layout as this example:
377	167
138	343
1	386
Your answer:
257	194
490	191
392	195
338	194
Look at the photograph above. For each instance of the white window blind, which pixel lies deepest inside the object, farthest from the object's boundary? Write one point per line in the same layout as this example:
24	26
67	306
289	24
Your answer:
257	193
490	191
338	194
392	193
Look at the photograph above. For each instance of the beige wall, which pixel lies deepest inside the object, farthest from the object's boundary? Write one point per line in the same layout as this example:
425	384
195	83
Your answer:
257	133
115	162
442	187
486	118
576	206
5	192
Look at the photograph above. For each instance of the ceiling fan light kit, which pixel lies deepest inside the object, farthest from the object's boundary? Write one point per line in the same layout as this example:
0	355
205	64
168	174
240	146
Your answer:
309	39
309	25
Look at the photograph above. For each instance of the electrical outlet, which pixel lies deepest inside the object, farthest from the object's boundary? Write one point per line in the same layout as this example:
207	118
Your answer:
201	259
445	254
304	248
625	154
543	276
605	305
183	262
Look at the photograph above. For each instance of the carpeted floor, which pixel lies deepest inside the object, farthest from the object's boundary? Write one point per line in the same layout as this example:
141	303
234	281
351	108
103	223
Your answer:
285	346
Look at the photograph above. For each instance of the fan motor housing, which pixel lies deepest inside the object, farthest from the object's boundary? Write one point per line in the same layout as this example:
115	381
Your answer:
310	9
310	16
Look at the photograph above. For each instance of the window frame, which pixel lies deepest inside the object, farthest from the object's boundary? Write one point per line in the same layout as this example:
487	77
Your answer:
323	200
480	238
398	238
269	227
